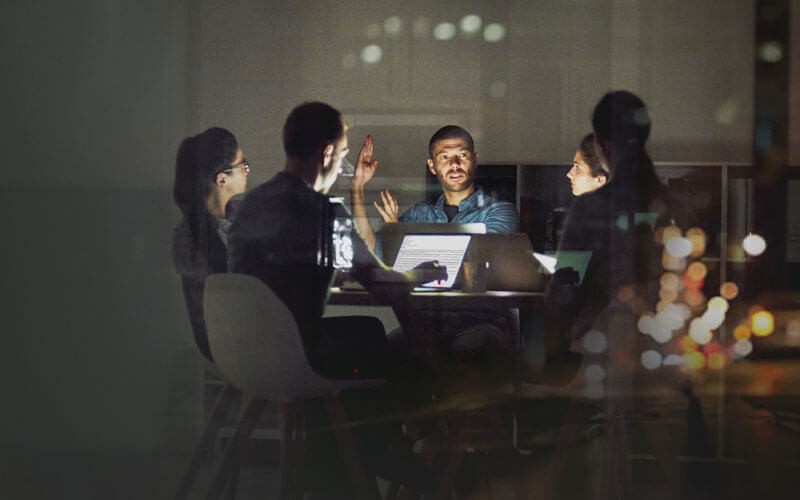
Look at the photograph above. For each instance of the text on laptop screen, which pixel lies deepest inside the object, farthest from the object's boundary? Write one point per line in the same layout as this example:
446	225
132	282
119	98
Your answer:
448	249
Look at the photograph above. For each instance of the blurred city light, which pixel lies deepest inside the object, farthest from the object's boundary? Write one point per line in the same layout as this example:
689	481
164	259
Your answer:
494	32
754	244
762	323
444	31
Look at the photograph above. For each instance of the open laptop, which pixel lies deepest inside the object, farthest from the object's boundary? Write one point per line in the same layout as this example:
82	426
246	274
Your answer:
512	266
391	235
448	249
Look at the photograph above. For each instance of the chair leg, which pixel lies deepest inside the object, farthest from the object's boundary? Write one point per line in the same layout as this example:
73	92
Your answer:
290	421
215	422
232	456
366	487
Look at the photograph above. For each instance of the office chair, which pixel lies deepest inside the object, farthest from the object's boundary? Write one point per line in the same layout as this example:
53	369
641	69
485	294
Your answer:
258	350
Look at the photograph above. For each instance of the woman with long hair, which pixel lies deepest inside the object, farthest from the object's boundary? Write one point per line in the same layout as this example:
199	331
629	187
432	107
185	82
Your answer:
210	169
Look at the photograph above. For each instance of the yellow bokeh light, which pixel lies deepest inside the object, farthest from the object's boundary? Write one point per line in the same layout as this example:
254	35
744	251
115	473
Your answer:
729	290
698	238
742	332
670	281
687	344
668	295
670	232
694	360
716	361
762	323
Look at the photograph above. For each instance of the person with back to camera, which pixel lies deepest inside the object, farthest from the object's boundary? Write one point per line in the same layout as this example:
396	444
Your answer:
617	222
278	237
210	170
459	335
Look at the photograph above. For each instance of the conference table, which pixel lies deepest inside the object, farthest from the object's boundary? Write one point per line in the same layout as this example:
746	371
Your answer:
450	299
528	305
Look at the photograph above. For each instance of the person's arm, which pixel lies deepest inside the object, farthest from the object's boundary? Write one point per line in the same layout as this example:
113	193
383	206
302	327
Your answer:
364	170
501	217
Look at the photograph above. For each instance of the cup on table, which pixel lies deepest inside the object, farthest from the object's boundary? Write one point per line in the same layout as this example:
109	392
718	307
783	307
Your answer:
474	278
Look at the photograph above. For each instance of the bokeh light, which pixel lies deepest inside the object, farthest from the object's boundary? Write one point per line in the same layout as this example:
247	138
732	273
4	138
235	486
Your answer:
743	348
494	32
672	263
713	318
742	332
729	290
718	303
651	359
670	281
694	360
371	54
595	373
688	344
696	272
694	298
699	331
595	341
444	31
393	26
762	323
678	247
793	329
670	232
698	238
471	24
716	361
672	360
754	244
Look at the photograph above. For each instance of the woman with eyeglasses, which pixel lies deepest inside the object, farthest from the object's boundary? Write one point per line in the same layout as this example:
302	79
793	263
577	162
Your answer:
210	170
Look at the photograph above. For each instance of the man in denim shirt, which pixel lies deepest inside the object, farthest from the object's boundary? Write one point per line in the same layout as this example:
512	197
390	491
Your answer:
452	159
461	336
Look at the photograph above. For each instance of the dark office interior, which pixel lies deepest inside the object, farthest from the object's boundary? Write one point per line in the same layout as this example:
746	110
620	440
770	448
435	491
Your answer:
105	392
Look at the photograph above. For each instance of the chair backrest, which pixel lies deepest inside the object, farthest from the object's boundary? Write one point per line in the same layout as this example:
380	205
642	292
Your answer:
256	343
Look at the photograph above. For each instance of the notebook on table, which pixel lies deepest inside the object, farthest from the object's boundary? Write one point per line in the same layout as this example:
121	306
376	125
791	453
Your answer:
447	249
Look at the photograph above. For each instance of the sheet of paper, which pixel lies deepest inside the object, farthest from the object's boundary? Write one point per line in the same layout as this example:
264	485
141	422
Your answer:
448	249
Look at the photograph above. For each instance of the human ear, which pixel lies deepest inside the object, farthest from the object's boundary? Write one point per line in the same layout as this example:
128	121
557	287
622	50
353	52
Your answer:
327	155
430	167
220	180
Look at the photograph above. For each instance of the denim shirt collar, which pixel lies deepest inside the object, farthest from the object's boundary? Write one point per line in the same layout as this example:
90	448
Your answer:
476	200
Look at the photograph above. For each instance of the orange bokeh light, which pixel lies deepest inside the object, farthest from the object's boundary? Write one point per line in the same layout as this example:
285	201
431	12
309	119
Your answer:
729	290
696	271
716	361
742	332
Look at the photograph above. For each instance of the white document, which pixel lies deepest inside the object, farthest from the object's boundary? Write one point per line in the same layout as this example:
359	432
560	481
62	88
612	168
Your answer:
448	249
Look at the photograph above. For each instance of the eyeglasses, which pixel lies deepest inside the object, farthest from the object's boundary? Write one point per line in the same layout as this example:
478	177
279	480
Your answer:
245	165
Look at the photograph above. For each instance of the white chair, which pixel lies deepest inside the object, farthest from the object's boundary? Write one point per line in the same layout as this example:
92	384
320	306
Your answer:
258	350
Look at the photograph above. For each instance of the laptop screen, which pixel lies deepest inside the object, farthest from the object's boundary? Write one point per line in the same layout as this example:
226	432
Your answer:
448	249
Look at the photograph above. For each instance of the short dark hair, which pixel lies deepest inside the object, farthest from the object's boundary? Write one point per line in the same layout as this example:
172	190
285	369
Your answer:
200	158
450	132
309	128
590	156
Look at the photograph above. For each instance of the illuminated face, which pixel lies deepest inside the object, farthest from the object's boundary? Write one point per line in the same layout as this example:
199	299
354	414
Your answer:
332	163
580	176
453	164
236	176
